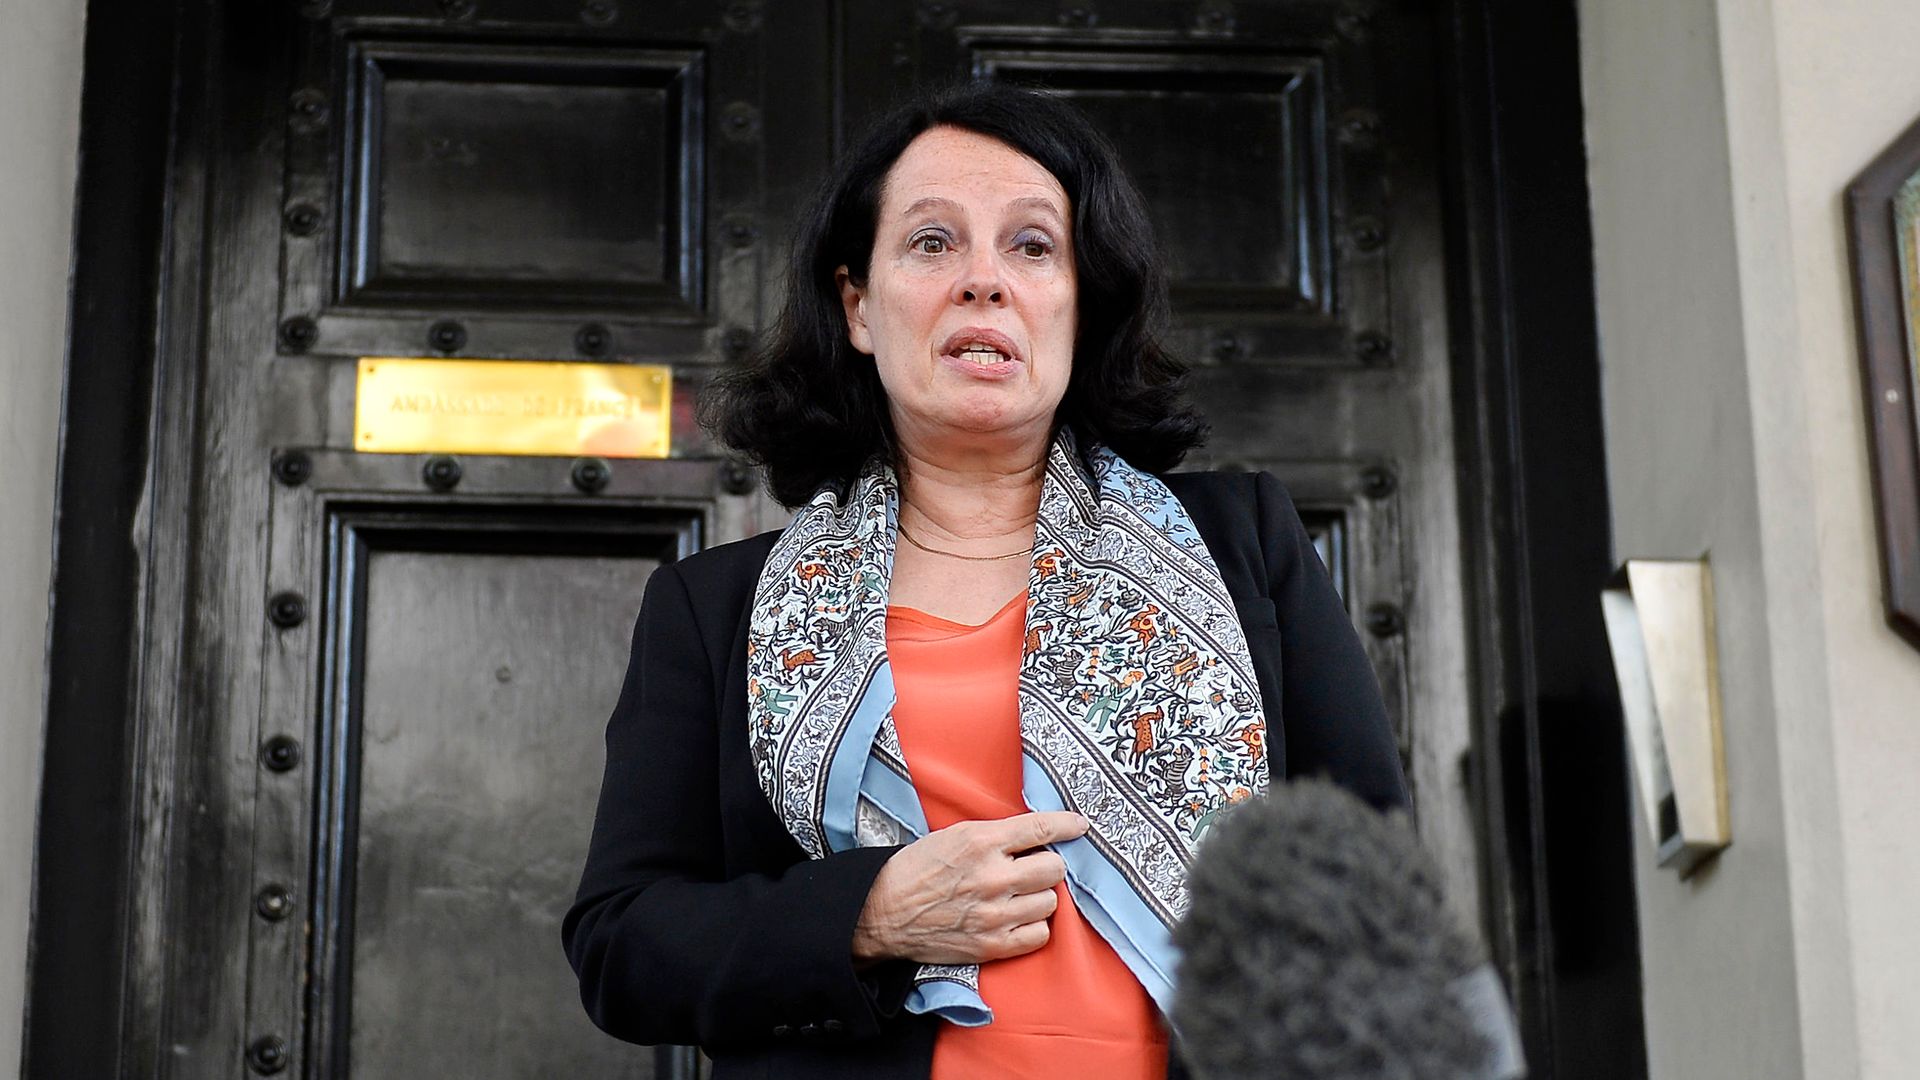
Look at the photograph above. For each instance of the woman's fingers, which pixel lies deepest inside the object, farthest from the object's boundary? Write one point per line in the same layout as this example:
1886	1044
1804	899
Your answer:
1038	871
1022	940
971	892
1032	907
1025	832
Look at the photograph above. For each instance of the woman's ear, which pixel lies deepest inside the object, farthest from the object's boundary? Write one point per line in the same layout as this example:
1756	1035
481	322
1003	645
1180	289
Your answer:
854	299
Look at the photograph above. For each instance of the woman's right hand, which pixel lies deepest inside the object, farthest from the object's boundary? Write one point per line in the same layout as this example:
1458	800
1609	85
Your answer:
971	892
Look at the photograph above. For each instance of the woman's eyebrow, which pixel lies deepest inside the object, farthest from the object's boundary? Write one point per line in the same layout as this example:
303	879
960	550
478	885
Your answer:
1038	202
931	202
1025	202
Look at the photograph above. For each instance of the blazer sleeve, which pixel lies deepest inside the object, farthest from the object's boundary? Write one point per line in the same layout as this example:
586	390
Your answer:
668	947
1334	719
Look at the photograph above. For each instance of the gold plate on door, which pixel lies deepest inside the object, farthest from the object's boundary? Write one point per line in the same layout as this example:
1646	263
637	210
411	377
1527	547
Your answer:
410	406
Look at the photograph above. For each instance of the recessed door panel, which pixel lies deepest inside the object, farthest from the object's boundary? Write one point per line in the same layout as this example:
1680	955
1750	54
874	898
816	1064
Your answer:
1242	215
479	673
540	181
439	669
539	177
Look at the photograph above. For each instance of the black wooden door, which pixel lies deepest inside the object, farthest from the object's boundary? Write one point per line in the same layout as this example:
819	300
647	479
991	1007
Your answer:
396	667
374	699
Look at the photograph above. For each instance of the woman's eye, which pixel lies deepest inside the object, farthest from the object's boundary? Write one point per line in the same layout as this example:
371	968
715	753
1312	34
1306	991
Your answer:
1033	247
930	244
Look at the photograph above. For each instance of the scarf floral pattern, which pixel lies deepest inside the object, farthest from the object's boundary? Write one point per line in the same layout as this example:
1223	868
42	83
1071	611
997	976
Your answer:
1138	704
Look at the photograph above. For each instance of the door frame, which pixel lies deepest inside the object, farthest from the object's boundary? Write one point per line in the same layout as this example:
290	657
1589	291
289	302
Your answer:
1547	771
1549	766
136	193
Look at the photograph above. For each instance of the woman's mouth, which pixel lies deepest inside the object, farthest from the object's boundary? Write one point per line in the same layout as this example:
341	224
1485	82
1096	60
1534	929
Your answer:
983	365
981	352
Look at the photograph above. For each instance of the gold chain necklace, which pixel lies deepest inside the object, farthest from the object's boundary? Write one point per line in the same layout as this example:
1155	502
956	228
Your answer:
957	555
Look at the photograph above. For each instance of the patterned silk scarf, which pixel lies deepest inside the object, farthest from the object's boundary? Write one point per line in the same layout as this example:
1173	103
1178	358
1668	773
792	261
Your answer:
1138	704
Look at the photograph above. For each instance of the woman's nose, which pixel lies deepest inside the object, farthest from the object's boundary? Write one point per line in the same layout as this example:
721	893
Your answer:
980	280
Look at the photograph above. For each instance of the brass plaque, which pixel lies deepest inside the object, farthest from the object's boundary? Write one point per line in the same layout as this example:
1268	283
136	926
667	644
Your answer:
410	406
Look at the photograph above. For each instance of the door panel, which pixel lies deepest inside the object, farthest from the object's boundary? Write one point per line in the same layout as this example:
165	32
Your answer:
534	180
1241	215
425	802
470	750
1251	130
471	172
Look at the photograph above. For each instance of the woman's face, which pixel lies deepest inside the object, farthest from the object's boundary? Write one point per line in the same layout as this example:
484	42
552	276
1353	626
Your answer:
969	304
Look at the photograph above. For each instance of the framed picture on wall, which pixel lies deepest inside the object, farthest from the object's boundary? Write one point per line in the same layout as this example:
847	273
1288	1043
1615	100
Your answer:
1883	226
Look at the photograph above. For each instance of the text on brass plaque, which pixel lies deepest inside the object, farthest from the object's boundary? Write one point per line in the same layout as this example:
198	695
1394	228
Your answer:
405	406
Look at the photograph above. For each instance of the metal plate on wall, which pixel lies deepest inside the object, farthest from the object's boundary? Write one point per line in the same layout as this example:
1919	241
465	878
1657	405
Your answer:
405	405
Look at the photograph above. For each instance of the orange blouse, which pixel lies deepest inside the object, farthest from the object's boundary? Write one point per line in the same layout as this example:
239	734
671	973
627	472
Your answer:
1070	1008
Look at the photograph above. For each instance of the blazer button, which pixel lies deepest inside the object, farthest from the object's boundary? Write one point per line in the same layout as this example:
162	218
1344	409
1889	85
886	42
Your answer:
809	1029
781	1031
833	1027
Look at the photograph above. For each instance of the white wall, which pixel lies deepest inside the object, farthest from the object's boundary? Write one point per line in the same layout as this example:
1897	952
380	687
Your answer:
1849	84
1717	952
40	53
1720	136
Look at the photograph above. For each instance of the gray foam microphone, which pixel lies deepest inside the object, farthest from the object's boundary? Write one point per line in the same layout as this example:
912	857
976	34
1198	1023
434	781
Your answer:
1318	947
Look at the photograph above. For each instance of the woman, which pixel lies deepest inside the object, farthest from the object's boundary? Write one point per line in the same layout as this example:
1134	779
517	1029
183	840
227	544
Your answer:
879	809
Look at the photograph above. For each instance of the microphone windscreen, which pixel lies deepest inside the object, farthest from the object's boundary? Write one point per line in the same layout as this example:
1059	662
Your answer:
1318	946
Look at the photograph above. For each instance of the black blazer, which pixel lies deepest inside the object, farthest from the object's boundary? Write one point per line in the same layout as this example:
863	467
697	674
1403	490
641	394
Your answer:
700	921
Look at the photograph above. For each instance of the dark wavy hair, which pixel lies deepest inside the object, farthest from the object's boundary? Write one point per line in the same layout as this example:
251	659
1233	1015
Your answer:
809	408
